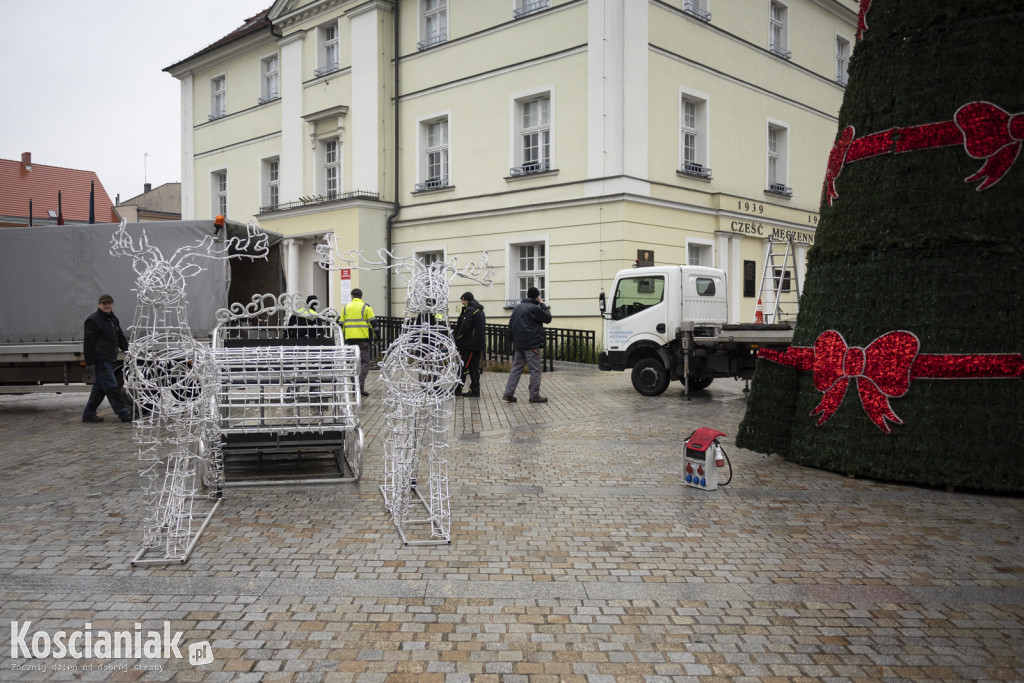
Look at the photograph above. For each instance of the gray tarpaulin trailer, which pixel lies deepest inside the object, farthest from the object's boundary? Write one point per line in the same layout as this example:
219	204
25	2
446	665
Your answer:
51	278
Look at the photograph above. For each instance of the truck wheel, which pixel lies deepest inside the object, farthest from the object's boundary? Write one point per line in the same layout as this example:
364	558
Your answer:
698	383
650	377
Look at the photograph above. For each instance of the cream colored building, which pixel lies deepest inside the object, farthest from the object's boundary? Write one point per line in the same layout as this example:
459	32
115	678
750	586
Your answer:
563	137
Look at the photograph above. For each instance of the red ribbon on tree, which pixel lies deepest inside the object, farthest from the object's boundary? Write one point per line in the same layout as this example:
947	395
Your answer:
985	130
862	18
884	370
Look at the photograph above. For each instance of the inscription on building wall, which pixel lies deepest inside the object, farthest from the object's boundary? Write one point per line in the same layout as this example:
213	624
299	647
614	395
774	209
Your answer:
745	228
798	236
761	230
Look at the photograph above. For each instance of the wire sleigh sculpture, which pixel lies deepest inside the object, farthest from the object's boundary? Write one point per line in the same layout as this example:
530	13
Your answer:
172	377
420	371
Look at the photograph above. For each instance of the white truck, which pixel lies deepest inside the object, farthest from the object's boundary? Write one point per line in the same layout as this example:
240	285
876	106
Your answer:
670	323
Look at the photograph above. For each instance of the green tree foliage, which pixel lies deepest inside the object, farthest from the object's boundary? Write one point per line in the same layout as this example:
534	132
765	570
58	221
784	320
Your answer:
909	245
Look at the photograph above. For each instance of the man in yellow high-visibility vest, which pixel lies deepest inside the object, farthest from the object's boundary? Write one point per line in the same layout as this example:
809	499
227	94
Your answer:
358	325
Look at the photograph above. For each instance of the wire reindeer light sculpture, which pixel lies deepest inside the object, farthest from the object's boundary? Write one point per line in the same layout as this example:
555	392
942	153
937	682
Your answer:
420	371
172	379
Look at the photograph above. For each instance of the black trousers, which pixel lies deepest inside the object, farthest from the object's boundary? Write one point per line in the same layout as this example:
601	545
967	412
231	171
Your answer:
471	367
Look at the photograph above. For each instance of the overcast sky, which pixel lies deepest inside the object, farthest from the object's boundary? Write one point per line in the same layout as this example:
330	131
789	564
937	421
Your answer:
83	84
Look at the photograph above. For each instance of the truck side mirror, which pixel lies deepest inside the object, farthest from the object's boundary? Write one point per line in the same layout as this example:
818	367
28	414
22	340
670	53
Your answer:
601	302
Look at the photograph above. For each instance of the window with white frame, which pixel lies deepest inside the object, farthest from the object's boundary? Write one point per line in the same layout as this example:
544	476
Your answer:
842	59
697	8
533	131
269	86
327	134
778	159
428	257
433	23
271	182
778	29
529	269
699	253
327	36
330	167
434	164
219	193
218	97
693	124
527	7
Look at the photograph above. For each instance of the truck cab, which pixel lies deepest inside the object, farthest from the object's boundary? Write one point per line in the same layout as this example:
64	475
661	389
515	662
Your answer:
650	309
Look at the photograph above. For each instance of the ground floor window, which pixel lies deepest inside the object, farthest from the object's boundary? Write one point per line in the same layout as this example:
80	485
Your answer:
528	266
699	253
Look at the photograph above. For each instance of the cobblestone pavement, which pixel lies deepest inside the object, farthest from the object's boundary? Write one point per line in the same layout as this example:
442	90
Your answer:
576	555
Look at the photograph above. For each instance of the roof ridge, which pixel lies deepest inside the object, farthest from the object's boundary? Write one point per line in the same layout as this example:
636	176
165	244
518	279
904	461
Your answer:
63	168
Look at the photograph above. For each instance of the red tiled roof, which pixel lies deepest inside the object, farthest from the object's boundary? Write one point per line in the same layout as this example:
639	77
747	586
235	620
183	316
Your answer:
41	184
251	25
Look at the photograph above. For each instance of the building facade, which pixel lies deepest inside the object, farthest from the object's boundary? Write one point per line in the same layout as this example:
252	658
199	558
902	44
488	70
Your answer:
161	203
566	138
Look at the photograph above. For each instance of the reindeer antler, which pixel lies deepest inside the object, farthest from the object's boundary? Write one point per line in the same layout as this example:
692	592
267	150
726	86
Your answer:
483	273
407	267
143	256
330	254
208	247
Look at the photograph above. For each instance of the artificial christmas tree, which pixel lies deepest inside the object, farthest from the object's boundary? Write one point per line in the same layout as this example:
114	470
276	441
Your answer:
915	285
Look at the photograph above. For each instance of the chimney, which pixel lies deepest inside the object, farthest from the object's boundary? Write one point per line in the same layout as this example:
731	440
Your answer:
26	160
148	187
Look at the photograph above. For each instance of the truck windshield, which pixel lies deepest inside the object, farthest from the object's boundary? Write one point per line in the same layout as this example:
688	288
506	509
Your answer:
634	294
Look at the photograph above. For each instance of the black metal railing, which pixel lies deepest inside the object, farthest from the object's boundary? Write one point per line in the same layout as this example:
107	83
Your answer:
560	344
433	39
530	7
316	200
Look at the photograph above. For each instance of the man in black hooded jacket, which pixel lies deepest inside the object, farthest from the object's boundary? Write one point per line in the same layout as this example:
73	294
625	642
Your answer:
103	338
471	340
526	325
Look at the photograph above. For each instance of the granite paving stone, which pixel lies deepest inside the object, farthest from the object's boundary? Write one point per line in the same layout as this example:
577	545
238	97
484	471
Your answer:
577	555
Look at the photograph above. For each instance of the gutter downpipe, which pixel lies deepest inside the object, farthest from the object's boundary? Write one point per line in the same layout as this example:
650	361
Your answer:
398	207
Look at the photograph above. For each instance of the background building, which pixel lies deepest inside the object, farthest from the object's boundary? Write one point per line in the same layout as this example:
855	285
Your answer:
567	138
22	182
162	203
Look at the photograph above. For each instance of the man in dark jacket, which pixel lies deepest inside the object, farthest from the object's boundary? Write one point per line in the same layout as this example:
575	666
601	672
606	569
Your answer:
527	327
471	340
303	324
103	338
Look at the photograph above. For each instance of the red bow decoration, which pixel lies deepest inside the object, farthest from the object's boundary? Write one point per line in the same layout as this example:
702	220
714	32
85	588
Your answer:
986	132
881	371
884	369
992	134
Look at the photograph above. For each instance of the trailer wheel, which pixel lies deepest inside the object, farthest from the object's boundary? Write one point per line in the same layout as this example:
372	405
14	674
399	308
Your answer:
650	377
699	383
